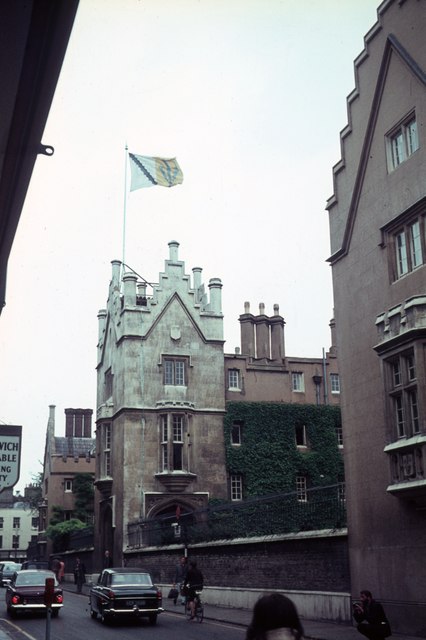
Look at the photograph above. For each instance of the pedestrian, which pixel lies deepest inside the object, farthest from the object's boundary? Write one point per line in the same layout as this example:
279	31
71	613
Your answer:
194	582
79	574
181	569
371	617
107	560
275	617
61	571
56	567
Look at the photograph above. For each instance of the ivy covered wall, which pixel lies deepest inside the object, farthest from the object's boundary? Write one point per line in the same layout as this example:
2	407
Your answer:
269	460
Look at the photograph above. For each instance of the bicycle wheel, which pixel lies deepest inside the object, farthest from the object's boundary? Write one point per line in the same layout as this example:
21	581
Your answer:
199	612
187	611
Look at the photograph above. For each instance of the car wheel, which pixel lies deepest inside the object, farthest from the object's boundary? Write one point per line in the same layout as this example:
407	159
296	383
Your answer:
93	614
55	613
104	618
11	612
153	618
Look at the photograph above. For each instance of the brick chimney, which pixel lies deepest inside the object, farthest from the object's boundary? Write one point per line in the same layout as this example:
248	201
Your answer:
247	331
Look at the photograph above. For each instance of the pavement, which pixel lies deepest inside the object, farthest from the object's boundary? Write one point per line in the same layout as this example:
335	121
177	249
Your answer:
314	630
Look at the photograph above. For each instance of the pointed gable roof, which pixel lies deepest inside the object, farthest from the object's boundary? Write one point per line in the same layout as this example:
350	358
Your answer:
392	46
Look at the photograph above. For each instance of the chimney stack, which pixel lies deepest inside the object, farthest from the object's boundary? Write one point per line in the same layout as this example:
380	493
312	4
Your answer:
277	335
262	334
173	251
215	286
247	331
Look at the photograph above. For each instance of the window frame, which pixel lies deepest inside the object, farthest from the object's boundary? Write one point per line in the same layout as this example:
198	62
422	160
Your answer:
106	449
402	393
300	430
335	383
173	443
236	430
175	371
402	141
68	485
301	488
234	379
298	381
401	265
236	487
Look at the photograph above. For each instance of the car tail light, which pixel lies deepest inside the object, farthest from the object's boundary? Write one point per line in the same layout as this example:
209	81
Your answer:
15	599
59	598
110	594
159	594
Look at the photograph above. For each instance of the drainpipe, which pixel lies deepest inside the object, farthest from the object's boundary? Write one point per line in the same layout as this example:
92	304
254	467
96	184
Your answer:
324	373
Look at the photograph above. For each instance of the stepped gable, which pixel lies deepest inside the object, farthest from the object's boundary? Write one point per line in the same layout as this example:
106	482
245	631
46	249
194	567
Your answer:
349	172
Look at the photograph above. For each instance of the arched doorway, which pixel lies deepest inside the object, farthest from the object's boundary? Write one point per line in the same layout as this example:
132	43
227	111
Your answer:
106	532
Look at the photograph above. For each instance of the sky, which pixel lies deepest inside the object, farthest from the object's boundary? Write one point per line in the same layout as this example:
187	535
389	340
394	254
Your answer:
250	97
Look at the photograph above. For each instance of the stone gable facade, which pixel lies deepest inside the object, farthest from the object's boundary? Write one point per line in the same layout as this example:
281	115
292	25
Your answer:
160	399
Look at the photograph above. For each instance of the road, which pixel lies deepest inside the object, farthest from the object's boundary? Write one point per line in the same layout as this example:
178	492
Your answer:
74	622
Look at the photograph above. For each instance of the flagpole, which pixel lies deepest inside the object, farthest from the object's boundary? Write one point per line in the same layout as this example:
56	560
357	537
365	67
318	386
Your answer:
124	210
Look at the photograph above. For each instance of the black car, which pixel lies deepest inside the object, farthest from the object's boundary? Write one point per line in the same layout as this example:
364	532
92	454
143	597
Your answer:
125	592
25	593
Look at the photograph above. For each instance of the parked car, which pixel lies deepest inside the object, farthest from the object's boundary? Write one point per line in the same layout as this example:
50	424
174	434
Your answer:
125	592
25	592
7	569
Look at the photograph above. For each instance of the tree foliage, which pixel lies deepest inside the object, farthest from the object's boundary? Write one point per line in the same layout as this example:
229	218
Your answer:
84	496
33	492
60	532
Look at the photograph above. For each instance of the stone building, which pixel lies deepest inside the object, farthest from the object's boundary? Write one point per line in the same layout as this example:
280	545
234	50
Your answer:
163	384
377	227
64	458
160	400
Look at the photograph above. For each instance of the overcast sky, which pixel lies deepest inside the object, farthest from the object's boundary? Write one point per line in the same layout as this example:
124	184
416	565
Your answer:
250	96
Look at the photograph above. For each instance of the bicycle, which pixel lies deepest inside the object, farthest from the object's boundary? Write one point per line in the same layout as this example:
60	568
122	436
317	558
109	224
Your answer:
198	610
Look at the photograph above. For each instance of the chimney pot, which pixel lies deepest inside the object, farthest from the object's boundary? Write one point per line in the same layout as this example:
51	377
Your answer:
173	251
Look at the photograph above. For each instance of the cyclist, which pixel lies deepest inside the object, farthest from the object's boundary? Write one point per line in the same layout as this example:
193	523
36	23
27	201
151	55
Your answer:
194	582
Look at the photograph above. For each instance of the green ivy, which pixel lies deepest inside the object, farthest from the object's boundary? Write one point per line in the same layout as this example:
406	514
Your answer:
268	458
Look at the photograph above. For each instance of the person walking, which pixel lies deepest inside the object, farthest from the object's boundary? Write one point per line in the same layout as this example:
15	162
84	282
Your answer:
107	560
181	570
79	574
61	572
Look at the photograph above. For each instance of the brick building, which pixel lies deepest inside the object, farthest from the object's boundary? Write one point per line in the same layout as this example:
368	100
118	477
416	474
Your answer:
64	458
260	370
377	227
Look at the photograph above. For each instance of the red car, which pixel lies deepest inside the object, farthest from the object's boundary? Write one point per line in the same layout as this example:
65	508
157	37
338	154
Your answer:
25	593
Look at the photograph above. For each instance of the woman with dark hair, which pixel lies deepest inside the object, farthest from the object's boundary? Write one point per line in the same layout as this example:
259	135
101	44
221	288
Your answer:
275	618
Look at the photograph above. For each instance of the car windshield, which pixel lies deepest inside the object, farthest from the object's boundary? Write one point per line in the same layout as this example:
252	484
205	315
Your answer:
10	566
143	579
33	578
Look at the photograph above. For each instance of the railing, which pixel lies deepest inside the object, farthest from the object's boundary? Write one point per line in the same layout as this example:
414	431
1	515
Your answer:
81	539
324	508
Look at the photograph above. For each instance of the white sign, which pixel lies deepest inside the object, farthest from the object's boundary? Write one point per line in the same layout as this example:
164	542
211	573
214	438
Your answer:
10	455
